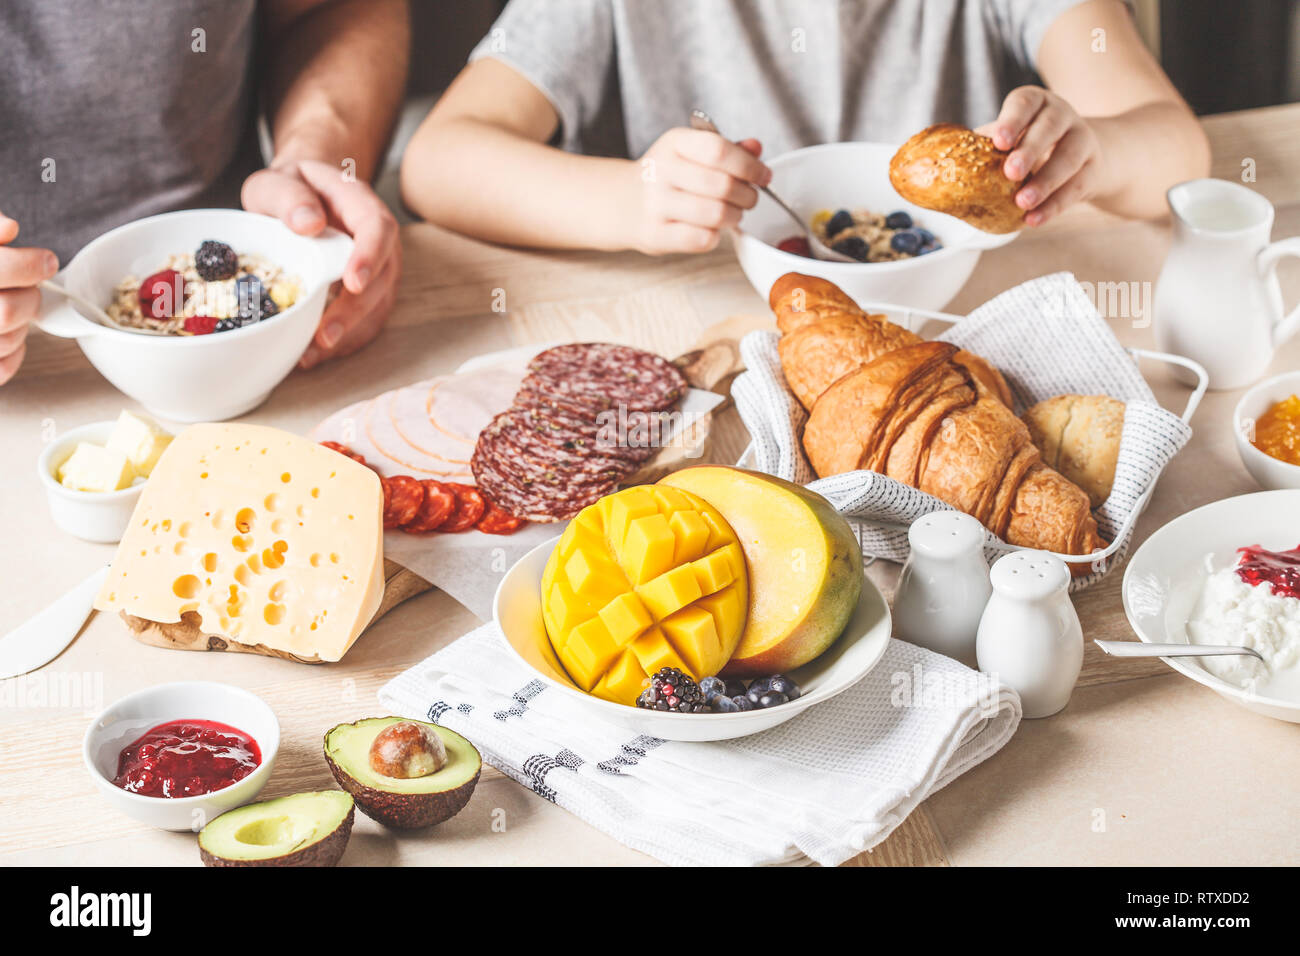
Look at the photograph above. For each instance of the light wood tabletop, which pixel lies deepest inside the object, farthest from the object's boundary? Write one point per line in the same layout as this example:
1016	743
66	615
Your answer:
1143	766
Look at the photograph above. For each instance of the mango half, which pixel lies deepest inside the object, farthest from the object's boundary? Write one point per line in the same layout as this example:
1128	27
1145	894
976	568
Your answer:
804	563
645	578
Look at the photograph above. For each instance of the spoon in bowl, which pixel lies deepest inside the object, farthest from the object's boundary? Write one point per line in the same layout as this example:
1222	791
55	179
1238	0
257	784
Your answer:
1135	649
92	311
700	120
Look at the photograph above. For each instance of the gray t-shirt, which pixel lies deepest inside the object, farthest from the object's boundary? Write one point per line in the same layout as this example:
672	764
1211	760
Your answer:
789	72
115	109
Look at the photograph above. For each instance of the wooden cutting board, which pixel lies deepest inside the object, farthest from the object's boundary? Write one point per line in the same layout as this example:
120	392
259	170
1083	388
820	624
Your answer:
712	366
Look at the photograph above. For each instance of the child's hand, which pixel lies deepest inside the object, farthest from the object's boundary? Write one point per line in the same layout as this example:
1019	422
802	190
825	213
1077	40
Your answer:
691	186
1052	142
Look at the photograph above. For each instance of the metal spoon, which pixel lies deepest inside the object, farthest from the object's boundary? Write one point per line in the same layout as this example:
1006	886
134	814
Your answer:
700	120
92	311
1135	649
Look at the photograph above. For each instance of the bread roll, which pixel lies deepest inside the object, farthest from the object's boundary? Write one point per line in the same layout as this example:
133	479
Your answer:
1079	436
954	170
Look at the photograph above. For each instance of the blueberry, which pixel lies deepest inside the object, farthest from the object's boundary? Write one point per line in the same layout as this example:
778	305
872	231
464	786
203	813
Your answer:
906	242
758	685
784	685
772	699
734	688
712	686
842	220
928	248
724	705
926	235
855	247
898	220
743	703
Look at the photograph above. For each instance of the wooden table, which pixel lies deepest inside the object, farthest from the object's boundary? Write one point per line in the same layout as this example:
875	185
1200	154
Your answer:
1144	766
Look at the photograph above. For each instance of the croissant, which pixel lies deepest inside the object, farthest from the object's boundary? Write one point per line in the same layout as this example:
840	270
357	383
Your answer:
924	413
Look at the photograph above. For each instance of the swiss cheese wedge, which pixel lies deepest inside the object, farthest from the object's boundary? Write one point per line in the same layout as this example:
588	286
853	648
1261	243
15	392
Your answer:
268	537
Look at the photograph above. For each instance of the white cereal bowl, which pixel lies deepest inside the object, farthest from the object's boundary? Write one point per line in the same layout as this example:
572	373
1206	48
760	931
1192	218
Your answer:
126	720
196	378
100	516
1165	576
856	176
1270	472
517	609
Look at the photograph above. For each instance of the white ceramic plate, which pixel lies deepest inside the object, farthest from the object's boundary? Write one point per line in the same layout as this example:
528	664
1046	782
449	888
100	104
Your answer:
1165	577
518	611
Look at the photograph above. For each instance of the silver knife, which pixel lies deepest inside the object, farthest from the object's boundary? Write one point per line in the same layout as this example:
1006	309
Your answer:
45	636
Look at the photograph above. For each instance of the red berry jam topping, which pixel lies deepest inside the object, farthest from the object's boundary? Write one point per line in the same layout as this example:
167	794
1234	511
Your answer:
186	758
1278	569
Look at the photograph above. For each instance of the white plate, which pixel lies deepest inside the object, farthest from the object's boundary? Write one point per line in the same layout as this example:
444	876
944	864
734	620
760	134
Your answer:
518	612
1165	577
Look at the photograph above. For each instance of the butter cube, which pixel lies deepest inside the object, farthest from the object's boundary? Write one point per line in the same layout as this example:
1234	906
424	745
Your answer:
140	440
92	468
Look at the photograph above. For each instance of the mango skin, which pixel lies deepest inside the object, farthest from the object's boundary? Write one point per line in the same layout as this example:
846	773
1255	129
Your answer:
804	563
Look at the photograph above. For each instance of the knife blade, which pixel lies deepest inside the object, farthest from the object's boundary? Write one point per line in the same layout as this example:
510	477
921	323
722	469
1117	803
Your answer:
42	638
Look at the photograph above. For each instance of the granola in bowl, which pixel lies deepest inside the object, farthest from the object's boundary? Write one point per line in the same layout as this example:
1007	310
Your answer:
212	289
866	236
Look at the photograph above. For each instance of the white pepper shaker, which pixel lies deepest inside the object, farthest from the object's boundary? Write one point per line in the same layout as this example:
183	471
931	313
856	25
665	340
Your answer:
944	585
1030	635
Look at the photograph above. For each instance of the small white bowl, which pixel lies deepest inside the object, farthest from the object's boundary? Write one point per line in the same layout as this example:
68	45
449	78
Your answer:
126	720
100	516
1271	473
196	378
856	176
517	609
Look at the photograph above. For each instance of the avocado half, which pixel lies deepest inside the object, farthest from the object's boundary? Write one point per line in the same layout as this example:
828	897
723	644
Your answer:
303	829
402	803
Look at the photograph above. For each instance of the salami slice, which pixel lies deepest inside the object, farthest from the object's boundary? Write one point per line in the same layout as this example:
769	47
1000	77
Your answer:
624	376
557	427
470	507
344	450
403	496
531	502
498	521
438	505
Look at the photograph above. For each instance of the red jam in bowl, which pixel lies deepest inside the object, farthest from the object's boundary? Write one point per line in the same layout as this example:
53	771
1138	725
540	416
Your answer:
186	758
1278	569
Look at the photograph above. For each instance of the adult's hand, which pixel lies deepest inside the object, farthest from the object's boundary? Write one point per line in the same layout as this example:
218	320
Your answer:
20	300
307	196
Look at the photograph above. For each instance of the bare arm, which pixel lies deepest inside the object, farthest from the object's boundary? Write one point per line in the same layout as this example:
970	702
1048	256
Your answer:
479	164
1110	128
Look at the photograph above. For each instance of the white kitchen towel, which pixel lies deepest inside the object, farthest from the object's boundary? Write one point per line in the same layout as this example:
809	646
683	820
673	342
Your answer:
824	786
1047	339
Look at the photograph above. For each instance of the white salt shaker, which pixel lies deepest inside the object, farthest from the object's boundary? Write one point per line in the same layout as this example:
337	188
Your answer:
944	585
1030	636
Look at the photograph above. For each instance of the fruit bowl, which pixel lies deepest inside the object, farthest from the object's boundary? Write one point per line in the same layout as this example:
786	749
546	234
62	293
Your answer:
517	610
856	176
196	378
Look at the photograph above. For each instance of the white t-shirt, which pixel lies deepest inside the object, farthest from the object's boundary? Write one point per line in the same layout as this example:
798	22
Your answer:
791	73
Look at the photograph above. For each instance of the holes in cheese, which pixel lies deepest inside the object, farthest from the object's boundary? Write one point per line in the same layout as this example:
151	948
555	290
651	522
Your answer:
225	546
646	578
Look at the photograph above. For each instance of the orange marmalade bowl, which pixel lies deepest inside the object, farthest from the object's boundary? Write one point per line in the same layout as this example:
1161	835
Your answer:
1277	431
1266	430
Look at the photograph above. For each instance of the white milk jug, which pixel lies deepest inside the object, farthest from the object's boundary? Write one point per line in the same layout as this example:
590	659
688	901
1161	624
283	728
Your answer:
944	585
1029	636
1217	300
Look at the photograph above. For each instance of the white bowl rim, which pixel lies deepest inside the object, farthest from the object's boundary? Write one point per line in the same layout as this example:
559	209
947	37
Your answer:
988	240
1247	447
263	768
76	494
190	340
620	710
1197	673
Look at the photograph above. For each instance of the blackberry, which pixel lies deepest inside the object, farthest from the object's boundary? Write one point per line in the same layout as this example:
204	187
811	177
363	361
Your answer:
673	691
855	247
225	325
215	261
253	302
842	220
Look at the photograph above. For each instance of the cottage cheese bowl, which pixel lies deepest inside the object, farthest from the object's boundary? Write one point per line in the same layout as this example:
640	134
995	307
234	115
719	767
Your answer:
191	378
855	176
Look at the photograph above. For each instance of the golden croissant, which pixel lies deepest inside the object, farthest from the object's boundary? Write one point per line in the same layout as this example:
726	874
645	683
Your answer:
924	413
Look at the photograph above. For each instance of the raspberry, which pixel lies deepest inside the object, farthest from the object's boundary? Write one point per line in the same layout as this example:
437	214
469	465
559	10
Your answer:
200	324
797	245
162	294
